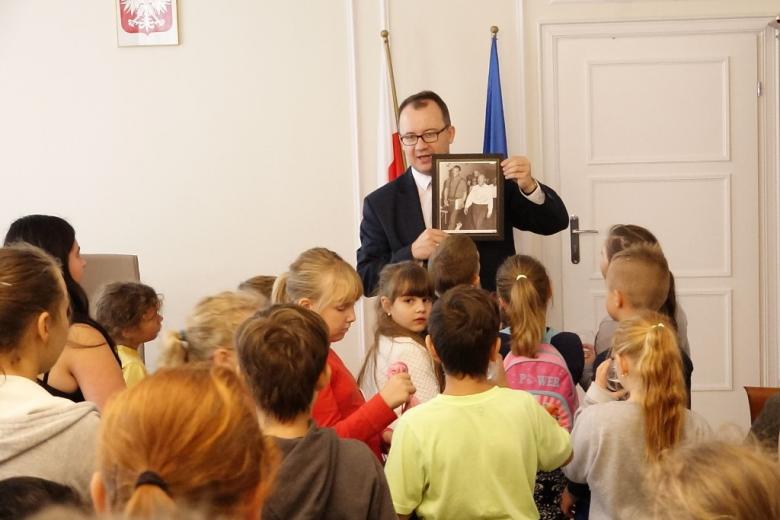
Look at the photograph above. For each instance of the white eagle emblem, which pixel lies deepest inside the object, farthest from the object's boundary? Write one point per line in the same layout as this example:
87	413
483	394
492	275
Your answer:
148	15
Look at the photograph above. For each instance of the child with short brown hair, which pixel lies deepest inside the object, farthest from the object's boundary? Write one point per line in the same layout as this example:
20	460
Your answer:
130	312
261	284
454	262
621	237
638	279
473	451
283	354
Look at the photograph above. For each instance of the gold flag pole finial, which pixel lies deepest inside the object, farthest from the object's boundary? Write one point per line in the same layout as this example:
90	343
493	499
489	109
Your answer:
494	30
385	38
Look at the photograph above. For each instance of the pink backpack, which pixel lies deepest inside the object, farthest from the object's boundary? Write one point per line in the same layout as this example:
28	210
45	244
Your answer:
548	378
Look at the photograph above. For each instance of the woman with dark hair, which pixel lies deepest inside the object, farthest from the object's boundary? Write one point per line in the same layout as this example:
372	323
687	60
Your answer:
88	368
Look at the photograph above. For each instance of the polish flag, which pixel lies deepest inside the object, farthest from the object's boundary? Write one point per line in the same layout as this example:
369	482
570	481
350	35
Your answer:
389	155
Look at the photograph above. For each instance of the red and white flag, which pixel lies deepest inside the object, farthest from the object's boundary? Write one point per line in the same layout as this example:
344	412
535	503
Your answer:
389	155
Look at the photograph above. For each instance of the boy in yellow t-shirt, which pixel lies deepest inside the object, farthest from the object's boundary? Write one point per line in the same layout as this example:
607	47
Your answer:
474	450
130	312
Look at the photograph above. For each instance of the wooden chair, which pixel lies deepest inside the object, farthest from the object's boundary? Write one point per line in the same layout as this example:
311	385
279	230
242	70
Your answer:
757	396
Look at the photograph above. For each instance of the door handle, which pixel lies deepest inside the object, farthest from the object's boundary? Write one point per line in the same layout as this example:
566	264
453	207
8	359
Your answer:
574	233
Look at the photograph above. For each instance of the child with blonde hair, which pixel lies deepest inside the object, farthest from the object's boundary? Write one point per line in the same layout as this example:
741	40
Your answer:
130	312
615	442
210	329
716	479
524	293
405	296
455	262
320	280
184	436
534	365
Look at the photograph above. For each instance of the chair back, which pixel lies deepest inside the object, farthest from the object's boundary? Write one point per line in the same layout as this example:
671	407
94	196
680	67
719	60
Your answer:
104	269
757	396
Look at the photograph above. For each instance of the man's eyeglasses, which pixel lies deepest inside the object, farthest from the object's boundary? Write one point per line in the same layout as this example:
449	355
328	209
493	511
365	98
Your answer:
430	136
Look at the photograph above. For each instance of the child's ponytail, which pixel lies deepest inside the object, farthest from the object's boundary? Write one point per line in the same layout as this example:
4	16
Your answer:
184	437
279	292
526	317
174	352
148	500
524	287
211	325
651	342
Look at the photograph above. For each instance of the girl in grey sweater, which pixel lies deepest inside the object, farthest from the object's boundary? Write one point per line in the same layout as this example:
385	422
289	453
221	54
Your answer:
615	441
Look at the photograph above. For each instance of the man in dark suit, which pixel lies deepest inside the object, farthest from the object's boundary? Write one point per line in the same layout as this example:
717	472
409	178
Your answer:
396	222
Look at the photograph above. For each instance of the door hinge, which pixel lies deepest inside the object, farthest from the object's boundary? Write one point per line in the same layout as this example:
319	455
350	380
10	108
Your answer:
759	89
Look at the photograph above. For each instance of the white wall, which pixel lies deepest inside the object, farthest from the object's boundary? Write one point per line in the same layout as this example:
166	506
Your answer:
227	155
214	160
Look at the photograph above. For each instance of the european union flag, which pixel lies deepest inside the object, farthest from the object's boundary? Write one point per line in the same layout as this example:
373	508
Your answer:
495	130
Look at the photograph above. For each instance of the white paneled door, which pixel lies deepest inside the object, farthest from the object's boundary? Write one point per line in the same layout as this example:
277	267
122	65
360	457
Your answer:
656	124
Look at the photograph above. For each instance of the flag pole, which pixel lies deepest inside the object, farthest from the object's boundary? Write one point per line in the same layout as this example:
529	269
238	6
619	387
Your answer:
494	31
385	39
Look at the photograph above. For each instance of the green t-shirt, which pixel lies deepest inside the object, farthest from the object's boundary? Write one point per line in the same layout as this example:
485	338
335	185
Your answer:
473	456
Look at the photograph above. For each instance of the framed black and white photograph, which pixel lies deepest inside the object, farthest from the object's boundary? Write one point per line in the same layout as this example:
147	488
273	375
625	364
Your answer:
468	195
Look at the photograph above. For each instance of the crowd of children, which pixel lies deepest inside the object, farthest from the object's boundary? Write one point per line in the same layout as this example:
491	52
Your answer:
466	405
